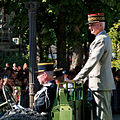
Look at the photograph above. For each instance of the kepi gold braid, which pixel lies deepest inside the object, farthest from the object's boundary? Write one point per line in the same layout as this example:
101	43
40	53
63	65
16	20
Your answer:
96	18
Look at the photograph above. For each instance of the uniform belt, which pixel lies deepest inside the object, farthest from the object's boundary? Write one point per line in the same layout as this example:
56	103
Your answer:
94	76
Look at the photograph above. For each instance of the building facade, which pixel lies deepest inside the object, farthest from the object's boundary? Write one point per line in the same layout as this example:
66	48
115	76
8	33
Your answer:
7	45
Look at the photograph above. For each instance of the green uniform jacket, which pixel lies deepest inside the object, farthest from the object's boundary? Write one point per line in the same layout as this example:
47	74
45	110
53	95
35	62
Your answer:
98	66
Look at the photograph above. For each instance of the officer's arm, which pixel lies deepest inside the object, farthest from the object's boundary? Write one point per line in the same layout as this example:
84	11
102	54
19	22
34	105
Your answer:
93	59
40	104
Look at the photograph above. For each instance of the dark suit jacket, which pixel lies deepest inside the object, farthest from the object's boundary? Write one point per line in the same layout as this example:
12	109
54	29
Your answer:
45	97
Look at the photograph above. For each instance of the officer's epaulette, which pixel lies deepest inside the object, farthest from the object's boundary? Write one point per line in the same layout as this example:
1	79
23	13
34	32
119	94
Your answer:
100	37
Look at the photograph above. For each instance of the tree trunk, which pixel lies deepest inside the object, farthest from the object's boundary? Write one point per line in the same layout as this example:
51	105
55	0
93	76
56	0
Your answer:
77	56
81	53
39	50
61	43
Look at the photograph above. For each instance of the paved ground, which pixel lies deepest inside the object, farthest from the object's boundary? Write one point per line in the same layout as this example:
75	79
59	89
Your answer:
116	116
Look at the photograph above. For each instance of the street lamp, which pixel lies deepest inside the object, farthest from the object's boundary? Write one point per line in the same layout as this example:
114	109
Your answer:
32	8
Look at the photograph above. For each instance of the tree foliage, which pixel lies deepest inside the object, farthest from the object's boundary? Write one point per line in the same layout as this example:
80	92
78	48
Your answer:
115	37
60	19
20	60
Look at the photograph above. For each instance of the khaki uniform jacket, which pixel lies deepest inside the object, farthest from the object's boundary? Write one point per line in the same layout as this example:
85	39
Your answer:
98	66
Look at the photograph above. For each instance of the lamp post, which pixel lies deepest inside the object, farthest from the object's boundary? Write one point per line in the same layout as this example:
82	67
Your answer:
32	8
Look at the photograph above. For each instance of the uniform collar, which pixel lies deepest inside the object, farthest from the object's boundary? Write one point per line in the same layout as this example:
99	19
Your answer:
49	83
101	33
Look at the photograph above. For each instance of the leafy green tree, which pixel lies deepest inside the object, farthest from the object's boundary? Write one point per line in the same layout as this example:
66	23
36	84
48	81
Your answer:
62	23
20	60
115	37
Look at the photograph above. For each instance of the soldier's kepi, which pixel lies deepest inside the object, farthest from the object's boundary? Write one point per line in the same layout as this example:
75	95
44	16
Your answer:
97	17
45	67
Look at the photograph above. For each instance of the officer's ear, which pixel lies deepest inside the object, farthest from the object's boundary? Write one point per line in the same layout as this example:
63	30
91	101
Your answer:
100	24
45	75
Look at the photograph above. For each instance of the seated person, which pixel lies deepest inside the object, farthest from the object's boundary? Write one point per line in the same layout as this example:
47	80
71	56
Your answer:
44	98
71	75
65	75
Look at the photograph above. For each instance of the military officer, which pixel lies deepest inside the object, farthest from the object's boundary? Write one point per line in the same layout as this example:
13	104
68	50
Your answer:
44	98
98	67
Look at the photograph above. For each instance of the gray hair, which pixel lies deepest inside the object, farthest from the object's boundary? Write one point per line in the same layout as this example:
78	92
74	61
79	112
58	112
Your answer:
103	24
50	73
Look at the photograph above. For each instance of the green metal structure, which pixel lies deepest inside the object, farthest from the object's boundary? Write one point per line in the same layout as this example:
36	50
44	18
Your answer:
70	103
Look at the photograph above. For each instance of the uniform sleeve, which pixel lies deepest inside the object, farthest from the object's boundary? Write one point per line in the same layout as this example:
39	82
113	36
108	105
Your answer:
52	94
95	56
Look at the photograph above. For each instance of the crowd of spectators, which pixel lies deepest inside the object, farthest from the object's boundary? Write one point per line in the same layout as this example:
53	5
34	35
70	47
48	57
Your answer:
17	79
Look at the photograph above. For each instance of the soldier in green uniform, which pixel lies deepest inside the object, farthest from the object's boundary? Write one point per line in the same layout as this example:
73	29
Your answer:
98	67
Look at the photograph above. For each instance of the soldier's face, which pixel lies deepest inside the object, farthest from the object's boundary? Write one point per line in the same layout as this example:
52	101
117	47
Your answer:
41	77
95	28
